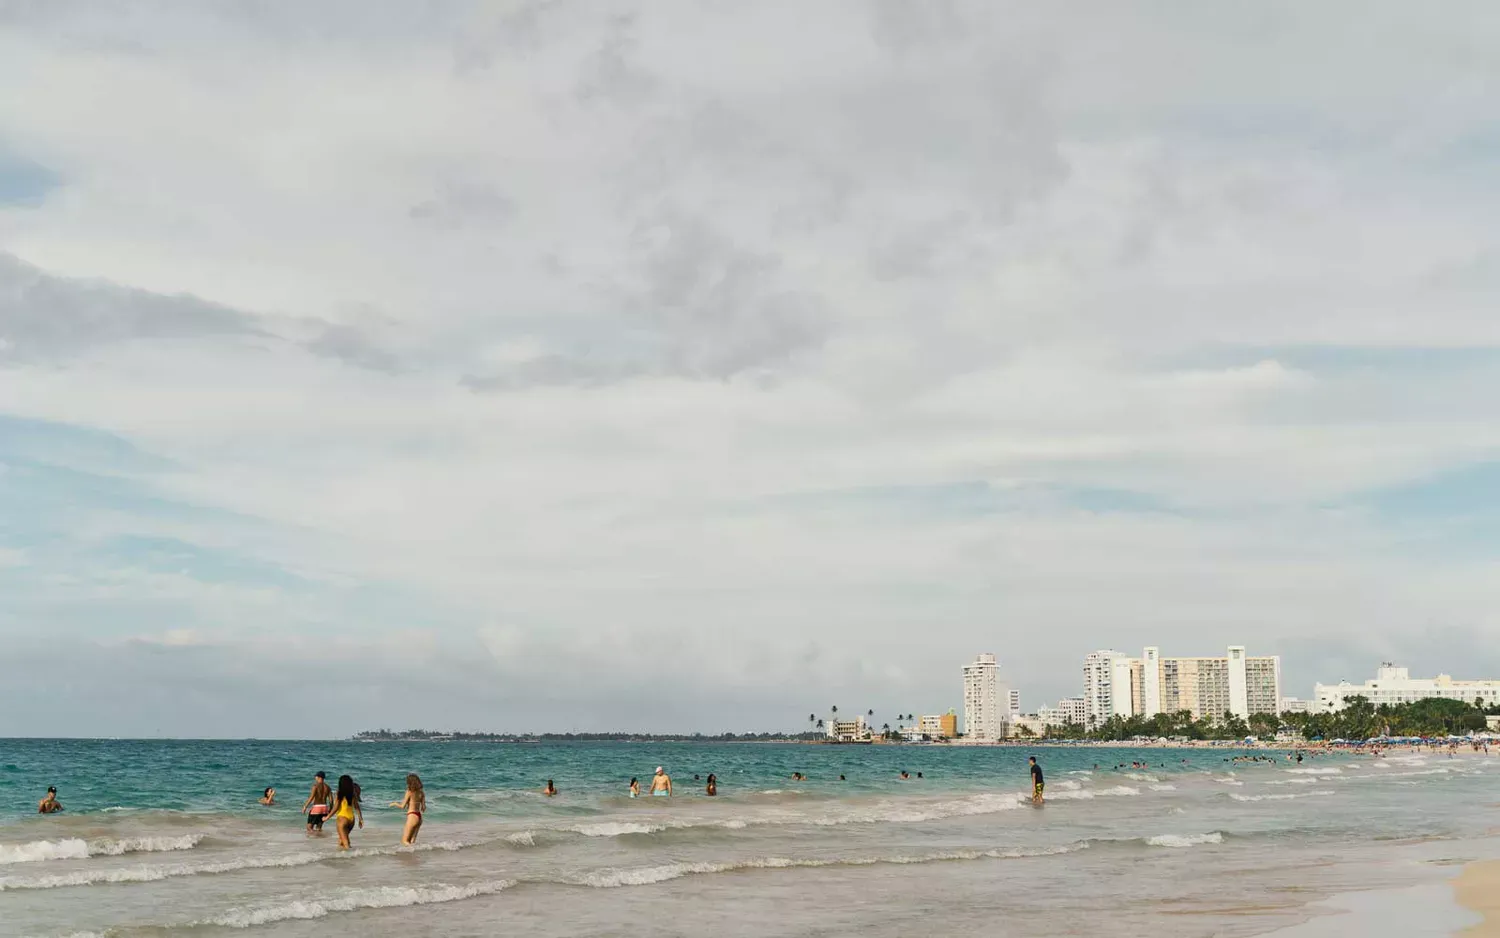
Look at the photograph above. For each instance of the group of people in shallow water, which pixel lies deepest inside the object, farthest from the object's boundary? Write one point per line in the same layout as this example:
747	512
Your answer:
344	805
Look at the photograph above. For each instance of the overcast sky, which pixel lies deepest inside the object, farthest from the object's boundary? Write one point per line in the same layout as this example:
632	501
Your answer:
697	366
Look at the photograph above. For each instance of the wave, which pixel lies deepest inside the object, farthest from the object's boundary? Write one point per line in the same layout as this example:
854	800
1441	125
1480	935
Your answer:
76	848
616	828
1325	770
1141	776
522	839
1185	840
615	878
1163	787
1118	791
1285	797
376	897
151	874
1293	781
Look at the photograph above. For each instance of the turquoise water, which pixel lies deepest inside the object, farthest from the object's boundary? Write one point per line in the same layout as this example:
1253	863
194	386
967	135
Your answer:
162	838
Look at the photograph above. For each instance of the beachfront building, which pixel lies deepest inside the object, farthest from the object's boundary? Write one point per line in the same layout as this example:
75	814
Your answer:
1050	716
1073	710
1117	685
984	720
1296	705
934	726
1014	699
849	731
1393	685
1021	726
1101	686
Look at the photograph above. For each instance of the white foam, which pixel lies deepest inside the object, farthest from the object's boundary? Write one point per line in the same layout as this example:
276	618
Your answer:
1285	797
76	848
615	878
1293	781
1142	777
1326	770
1185	840
522	839
150	874
616	828
1163	787
378	897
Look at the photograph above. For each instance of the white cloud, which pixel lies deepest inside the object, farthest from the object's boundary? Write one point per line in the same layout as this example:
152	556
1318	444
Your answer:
695	345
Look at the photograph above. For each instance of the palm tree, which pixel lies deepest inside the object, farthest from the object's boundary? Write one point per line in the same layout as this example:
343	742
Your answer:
820	724
835	710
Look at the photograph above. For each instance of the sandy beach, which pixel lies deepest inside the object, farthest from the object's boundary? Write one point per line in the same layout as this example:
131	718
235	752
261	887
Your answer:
1477	888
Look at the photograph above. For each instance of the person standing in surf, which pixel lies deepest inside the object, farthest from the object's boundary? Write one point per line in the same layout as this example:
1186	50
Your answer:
661	784
1037	784
346	810
415	803
316	805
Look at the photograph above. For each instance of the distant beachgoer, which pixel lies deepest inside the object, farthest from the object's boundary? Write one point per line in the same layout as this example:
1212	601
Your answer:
904	776
696	778
661	784
919	775
268	797
713	785
842	779
346	809
1038	784
415	803
316	805
550	790
635	787
49	803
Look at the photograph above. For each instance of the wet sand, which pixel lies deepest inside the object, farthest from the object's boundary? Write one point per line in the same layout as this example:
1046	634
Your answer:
1478	890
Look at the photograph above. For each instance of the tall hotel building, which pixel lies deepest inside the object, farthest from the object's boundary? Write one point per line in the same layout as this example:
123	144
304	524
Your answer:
984	716
1117	685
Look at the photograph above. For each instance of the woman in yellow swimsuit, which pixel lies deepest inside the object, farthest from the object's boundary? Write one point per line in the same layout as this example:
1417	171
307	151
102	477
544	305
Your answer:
346	809
415	803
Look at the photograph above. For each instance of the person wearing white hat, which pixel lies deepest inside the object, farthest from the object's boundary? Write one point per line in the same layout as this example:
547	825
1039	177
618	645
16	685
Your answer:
661	784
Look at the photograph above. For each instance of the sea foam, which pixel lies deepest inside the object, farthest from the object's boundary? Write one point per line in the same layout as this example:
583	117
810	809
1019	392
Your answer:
76	848
378	897
1185	840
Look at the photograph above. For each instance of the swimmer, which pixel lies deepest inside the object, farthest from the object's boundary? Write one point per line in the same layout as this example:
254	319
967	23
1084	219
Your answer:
919	775
268	797
713	785
415	803
550	790
842	779
661	784
635	787
49	803
346	809
316	805
904	776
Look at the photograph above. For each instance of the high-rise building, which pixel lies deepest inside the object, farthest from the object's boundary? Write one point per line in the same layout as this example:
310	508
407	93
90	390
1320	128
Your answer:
1014	700
982	717
1116	685
1393	685
1098	686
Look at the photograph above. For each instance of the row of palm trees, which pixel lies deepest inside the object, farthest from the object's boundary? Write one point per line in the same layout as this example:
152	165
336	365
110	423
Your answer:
812	719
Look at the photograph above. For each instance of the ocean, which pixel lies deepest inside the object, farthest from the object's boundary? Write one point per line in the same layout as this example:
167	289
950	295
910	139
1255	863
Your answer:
165	838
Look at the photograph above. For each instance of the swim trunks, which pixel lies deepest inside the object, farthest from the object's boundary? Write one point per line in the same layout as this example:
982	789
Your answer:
660	794
1036	790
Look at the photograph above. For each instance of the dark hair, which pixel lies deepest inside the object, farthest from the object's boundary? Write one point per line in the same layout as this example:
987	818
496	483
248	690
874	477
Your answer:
712	777
266	793
1033	758
633	780
319	775
348	791
51	789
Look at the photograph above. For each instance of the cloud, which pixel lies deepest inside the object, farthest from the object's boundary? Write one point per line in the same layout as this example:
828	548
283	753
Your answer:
548	357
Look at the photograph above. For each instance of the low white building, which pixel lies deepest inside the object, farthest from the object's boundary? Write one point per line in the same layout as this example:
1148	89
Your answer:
1393	685
1025	726
1296	705
1051	716
849	731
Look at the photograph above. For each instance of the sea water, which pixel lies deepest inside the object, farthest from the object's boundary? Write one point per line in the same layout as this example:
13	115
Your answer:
166	838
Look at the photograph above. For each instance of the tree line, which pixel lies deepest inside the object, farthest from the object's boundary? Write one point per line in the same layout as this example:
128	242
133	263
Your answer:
1359	719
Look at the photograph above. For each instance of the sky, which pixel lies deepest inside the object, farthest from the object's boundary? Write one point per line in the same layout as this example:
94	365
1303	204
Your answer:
680	367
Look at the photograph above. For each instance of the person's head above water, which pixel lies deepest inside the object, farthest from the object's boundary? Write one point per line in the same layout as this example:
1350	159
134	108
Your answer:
267	793
51	789
660	771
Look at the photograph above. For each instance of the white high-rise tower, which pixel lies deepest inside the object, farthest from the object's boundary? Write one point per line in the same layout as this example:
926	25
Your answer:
982	718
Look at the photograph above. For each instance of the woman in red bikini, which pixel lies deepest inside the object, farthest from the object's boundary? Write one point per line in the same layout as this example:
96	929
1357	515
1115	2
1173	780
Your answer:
415	803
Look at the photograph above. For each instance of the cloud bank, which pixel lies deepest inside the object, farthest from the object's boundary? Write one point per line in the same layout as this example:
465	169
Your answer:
512	365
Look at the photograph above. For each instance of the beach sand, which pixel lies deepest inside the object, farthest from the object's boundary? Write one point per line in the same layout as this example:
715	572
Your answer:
1478	889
